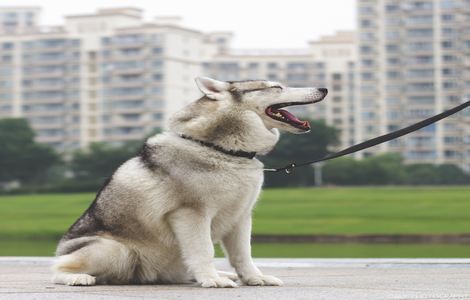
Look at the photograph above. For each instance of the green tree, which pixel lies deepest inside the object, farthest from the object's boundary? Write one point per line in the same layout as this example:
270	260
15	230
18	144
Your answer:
383	169
420	174
20	157
343	171
100	160
451	174
299	148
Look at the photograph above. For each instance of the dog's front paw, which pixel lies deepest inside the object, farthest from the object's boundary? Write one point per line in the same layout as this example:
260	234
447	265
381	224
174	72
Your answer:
80	279
229	275
262	280
218	282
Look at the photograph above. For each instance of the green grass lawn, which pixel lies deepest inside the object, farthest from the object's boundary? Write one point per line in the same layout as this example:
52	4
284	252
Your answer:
32	223
394	210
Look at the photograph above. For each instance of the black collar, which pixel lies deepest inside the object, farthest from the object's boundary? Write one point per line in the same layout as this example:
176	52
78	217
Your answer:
237	153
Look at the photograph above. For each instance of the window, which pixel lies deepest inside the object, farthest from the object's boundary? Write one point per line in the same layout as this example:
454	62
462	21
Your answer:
297	66
392	34
449	4
229	66
6	96
419	19
272	65
449	85
272	77
368	62
419	73
420	46
157	64
128	39
366	10
131	117
449	32
420	86
158	77
5	84
366	49
447	45
419	100
421	5
7	46
393	74
393	101
366	23
449	58
130	51
157	51
6	58
420	59
367	75
421	32
337	76
368	115
447	17
420	113
50	43
156	90
393	115
449	72
297	76
392	8
393	48
393	61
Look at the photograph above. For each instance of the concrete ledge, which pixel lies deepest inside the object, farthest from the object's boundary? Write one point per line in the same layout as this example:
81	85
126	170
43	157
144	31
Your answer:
28	278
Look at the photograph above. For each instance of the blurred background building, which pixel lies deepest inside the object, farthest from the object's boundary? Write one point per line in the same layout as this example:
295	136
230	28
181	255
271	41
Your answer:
111	76
106	76
414	61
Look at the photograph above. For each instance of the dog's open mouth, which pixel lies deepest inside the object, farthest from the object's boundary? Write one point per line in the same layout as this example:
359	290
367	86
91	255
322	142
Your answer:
277	113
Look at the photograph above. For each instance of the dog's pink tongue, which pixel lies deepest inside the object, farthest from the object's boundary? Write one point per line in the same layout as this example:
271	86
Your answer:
293	118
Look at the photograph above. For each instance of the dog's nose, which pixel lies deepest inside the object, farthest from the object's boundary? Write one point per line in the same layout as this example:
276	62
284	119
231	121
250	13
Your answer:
323	90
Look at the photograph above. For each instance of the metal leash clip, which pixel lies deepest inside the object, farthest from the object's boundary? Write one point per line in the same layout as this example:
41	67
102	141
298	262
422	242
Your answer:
290	168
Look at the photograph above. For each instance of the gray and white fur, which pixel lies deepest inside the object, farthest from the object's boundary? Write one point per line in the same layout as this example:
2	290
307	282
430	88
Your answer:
157	218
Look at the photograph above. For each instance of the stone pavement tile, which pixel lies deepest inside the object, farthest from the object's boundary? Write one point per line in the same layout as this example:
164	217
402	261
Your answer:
29	278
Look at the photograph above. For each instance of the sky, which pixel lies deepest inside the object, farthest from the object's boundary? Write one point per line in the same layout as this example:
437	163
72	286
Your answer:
256	23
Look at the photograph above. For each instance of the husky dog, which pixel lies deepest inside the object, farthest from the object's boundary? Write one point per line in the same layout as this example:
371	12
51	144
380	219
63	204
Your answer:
156	219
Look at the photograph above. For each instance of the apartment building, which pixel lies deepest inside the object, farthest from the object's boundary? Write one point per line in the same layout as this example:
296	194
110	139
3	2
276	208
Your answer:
328	62
17	19
111	76
108	76
414	61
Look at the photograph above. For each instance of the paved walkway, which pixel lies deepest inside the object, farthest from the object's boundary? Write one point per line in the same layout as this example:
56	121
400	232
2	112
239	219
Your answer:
337	279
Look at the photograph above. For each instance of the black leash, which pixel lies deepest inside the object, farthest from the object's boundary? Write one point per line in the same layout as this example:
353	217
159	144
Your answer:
376	141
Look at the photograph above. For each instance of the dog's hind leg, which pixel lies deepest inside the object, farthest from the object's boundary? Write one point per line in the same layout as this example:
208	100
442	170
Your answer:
104	261
67	271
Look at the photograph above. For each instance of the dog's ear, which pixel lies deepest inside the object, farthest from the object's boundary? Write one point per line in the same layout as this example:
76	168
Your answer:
212	88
